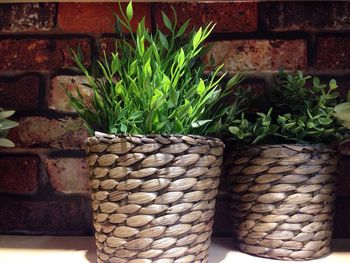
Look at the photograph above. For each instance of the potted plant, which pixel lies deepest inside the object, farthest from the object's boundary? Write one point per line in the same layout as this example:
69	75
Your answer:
154	175
5	126
283	178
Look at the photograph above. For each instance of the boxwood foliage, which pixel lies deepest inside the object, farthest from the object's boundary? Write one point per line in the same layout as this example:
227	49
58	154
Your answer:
294	108
156	83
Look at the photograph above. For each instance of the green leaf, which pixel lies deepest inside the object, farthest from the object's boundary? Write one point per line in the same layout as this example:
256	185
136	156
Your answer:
201	87
6	143
6	114
166	21
234	130
236	79
163	40
199	123
333	84
7	124
197	38
182	29
289	125
325	120
129	11
342	107
123	128
310	125
181	57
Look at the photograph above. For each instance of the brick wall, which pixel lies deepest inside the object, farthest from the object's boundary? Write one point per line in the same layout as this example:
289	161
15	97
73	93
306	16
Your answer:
44	181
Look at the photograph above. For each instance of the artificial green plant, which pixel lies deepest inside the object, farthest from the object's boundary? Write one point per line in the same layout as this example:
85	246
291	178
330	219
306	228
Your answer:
155	83
294	108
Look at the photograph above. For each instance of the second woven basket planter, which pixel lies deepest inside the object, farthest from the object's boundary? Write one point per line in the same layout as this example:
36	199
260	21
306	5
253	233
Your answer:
153	197
283	200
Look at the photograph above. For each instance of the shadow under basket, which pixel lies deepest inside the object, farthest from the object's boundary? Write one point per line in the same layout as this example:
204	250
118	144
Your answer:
283	200
153	197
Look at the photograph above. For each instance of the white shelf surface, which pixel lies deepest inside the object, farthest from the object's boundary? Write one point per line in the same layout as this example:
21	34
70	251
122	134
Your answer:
49	249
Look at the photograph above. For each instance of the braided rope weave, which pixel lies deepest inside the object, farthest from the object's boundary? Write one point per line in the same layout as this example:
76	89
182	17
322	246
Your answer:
283	200
153	197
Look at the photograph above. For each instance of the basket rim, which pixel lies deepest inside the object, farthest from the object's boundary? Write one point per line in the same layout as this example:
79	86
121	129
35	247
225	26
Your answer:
105	136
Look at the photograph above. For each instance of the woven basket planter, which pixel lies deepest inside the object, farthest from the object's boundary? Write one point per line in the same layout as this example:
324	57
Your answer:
283	200
153	197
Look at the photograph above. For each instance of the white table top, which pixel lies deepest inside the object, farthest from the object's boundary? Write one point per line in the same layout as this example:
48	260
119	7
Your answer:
49	249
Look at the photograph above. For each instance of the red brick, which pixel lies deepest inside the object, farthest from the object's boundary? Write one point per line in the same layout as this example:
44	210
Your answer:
256	85
333	53
107	45
97	17
68	175
303	15
19	174
35	131
40	54
345	148
259	55
53	217
57	98
229	17
27	17
22	93
341	219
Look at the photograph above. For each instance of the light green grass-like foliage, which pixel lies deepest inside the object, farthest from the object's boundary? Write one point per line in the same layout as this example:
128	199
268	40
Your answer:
295	108
156	83
5	126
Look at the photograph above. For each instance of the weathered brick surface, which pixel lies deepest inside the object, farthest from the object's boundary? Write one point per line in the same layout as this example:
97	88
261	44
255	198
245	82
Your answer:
40	54
68	175
57	98
345	148
19	174
333	53
35	131
259	55
27	17
229	17
22	93
53	217
97	17
107	45
305	15
341	220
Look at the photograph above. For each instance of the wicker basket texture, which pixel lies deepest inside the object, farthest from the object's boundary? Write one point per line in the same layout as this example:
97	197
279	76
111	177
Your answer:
283	200
153	197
